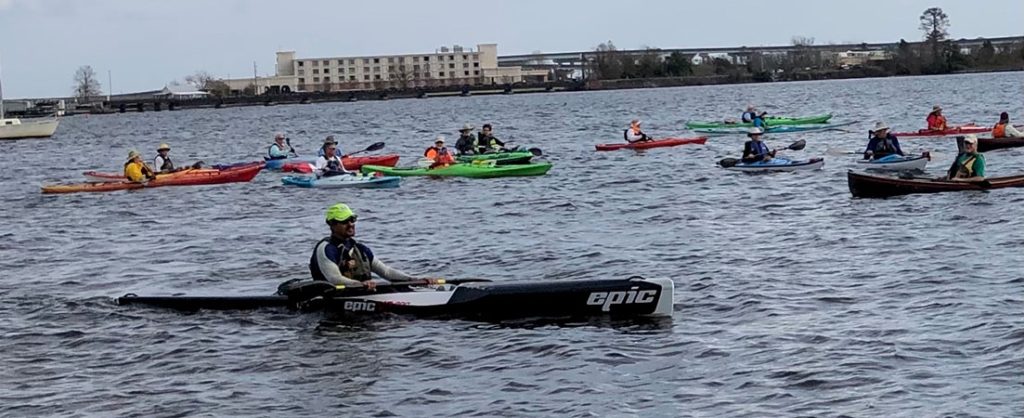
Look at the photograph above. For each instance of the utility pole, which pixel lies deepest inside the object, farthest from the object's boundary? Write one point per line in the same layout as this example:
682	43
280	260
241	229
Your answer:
110	85
255	79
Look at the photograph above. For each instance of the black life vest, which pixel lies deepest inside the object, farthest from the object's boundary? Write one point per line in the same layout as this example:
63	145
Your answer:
167	165
361	269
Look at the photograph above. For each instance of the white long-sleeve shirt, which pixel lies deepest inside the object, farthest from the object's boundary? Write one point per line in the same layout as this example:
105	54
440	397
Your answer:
1012	132
323	161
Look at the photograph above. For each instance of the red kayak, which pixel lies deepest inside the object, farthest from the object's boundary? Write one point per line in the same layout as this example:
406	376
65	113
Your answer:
657	143
959	130
238	174
350	163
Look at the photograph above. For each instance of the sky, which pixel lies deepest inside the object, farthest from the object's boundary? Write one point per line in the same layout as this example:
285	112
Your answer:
146	44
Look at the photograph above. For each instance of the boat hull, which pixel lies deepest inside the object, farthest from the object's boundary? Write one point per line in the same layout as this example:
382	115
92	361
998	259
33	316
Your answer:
657	143
876	186
770	121
798	165
896	164
29	129
627	297
992	144
343	182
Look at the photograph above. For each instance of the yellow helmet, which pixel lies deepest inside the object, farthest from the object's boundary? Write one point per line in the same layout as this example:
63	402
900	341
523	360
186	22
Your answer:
339	212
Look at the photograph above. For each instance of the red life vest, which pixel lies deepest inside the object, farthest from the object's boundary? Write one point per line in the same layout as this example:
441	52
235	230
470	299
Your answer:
936	122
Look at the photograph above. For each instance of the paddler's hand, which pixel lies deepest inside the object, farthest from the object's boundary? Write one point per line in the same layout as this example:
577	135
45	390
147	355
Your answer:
433	281
370	285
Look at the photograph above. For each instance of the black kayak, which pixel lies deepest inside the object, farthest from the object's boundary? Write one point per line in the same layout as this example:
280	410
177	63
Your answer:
616	297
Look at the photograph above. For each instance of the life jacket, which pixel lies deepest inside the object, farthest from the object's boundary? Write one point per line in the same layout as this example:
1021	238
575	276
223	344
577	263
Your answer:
884	147
748	117
270	156
758	148
361	270
999	131
441	156
334	163
936	122
965	170
143	169
636	132
486	143
167	165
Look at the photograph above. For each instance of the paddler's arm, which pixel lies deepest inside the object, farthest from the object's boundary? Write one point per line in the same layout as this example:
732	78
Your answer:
325	256
390	274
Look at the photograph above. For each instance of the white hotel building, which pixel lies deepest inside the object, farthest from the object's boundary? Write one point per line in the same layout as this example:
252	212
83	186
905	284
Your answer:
454	66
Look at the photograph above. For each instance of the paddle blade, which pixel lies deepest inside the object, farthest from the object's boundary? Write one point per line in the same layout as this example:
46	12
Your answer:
375	147
728	162
536	152
797	146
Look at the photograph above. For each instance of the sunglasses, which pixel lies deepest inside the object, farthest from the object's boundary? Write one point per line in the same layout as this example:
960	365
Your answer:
350	220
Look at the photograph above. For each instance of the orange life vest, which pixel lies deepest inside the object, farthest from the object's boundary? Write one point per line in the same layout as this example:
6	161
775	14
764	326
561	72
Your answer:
936	122
999	131
441	156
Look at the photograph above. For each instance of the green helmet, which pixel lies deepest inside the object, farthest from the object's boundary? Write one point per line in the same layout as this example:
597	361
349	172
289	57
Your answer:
339	212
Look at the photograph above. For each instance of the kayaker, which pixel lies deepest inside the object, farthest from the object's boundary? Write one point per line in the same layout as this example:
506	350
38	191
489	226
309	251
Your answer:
340	260
278	150
135	170
751	115
466	144
337	149
162	162
1004	129
439	154
970	164
486	142
937	122
881	143
330	164
633	134
755	150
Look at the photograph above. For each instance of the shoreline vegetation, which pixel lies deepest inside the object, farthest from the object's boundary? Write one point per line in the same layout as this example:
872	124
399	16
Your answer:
608	68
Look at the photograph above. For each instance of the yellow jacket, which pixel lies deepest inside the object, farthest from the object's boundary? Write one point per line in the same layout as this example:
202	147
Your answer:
137	172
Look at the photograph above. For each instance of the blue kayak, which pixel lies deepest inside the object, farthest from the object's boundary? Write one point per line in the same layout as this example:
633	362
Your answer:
779	164
896	162
343	181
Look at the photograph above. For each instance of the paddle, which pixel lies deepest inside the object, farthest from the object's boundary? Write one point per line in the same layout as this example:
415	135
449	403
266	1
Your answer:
537	152
731	162
290	147
300	290
375	147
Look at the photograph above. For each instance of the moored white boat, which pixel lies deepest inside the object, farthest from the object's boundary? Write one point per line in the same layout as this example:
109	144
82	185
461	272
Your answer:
18	129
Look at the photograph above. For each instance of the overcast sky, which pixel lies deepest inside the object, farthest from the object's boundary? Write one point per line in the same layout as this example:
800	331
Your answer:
147	43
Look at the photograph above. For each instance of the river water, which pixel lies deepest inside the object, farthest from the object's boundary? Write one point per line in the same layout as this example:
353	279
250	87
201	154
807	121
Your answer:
792	298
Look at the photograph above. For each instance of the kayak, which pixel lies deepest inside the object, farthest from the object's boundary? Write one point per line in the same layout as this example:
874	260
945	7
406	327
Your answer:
234	175
961	130
867	185
786	129
770	121
896	163
481	171
657	143
106	177
483	300
304	165
499	158
779	164
344	181
990	144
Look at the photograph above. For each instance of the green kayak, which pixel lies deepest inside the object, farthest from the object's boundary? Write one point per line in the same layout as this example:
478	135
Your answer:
500	158
771	121
477	171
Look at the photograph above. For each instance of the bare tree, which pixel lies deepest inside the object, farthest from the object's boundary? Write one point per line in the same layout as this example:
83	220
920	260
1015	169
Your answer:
802	41
86	83
934	23
400	75
200	80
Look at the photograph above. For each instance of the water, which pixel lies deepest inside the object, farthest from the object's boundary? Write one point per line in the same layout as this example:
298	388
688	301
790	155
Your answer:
793	299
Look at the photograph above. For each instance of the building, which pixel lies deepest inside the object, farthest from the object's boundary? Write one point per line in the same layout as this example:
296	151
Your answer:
857	58
455	66
181	92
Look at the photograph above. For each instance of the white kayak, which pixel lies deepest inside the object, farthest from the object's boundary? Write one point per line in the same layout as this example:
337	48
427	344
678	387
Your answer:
896	163
343	181
779	164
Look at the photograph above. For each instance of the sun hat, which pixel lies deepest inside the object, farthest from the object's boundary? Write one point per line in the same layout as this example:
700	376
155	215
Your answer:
466	127
133	154
164	146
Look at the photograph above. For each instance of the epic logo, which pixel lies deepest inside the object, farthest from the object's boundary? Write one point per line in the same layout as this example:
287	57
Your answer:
354	305
629	297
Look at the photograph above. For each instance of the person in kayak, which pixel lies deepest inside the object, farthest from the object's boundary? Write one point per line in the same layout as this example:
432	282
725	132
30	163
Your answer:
881	143
486	142
970	164
439	154
751	115
937	122
466	144
1004	129
136	170
633	134
329	164
340	260
278	150
755	150
162	162
337	149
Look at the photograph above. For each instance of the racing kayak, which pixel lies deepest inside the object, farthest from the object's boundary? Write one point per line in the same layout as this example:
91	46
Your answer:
657	143
778	164
479	171
609	297
990	144
233	175
867	185
896	163
343	181
770	121
786	129
499	158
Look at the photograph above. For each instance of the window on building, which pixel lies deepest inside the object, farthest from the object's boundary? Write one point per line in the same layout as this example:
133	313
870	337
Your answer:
341	71
302	81
341	62
391	60
465	57
327	70
366	77
376	76
376	69
327	62
316	71
465	65
415	59
391	68
416	67
316	79
426	59
476	72
327	79
352	78
451	58
302	72
301	62
451	65
351	69
467	72
440	74
352	61
376	60
366	69
415	75
476	65
316	63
